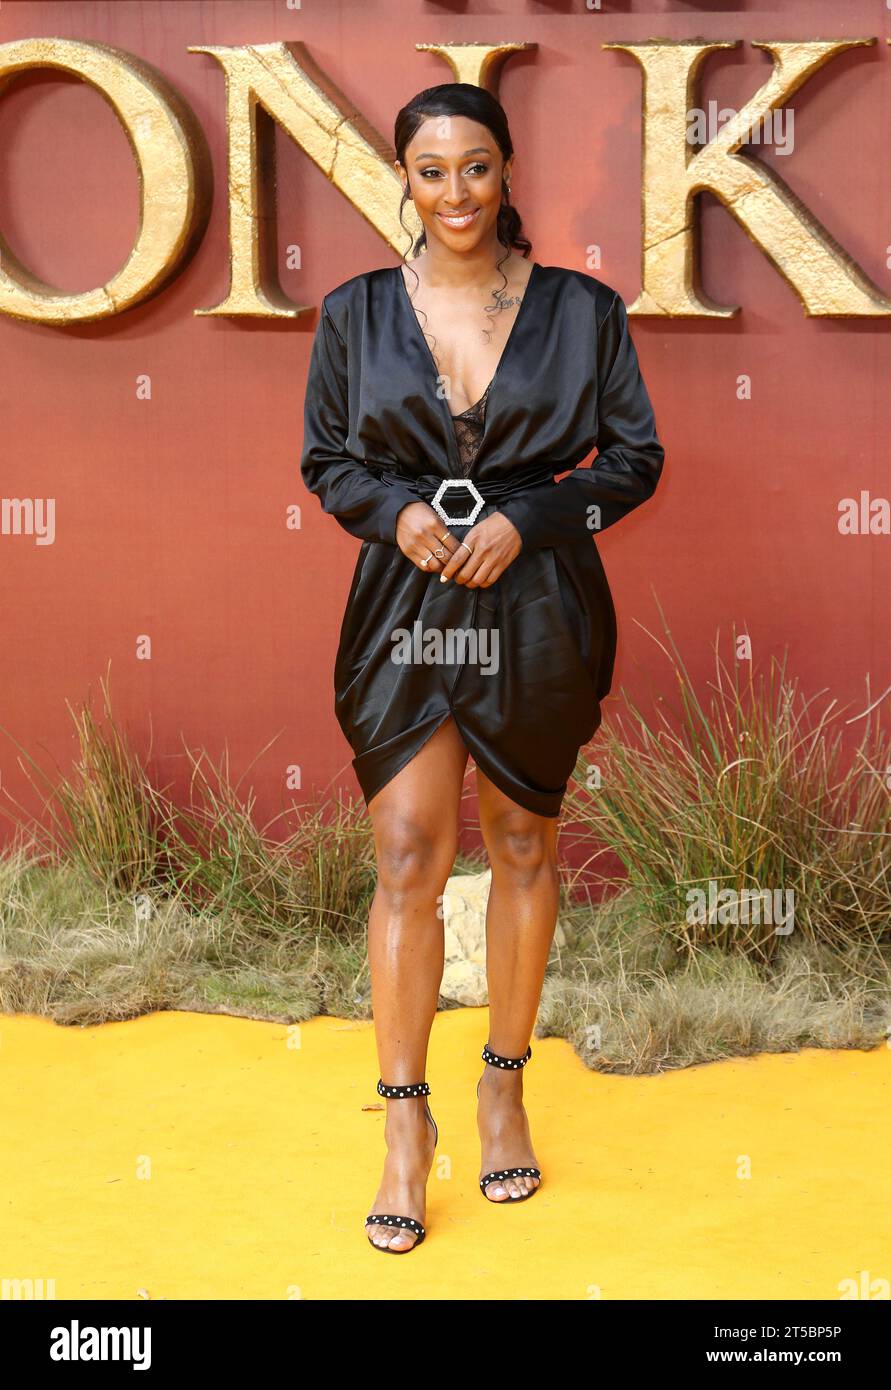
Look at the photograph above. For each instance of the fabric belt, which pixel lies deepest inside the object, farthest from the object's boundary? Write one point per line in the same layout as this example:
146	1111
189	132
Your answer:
446	494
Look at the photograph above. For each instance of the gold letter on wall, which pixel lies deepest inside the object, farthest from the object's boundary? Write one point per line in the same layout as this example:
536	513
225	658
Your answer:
281	82
828	282
176	182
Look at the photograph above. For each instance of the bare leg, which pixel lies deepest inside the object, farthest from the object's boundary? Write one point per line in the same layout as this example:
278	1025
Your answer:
520	922
415	819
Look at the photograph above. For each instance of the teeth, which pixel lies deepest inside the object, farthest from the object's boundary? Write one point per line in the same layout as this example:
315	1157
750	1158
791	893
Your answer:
457	221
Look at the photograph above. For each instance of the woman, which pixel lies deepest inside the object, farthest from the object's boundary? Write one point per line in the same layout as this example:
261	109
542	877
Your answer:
479	620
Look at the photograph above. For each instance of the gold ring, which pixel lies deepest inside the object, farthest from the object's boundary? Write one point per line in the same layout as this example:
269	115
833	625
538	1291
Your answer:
466	546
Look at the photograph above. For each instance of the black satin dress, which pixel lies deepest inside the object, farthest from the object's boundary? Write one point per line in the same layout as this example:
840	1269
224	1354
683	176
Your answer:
378	434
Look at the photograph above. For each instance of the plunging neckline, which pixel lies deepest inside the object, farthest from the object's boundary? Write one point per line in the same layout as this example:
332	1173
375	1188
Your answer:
450	433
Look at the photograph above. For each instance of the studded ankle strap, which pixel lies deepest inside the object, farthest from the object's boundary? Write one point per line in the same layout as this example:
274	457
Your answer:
509	1063
418	1088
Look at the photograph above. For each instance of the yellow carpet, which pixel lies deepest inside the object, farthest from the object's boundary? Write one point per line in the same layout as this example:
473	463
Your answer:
203	1157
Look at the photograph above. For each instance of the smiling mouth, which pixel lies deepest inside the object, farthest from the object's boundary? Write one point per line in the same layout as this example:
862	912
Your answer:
458	220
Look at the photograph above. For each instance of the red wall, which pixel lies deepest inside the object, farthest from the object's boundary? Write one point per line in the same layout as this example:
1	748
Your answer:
170	514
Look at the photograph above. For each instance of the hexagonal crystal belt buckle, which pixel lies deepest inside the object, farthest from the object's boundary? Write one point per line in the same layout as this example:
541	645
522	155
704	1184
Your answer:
436	503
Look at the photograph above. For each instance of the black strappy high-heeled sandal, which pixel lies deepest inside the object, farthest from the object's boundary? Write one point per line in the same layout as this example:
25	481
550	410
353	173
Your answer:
507	1064
402	1223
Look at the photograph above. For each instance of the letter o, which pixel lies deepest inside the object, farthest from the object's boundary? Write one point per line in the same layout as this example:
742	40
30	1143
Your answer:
175	176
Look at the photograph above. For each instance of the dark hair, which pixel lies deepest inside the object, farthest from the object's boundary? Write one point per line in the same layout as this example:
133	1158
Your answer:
463	99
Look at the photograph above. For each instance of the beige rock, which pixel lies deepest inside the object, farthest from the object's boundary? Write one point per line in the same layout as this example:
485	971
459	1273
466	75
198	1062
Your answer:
464	920
464	982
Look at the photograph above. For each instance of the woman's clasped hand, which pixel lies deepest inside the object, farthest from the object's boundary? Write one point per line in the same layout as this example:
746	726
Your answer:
477	562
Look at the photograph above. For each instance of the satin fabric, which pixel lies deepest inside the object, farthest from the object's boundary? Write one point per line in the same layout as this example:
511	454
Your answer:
378	434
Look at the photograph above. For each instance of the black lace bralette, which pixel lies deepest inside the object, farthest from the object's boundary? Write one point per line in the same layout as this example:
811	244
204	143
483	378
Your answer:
469	427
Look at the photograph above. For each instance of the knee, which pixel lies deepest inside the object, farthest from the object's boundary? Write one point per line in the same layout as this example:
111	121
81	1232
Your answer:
412	858
520	846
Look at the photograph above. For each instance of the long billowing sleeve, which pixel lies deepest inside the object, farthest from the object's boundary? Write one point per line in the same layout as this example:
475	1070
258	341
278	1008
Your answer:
629	460
364	506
